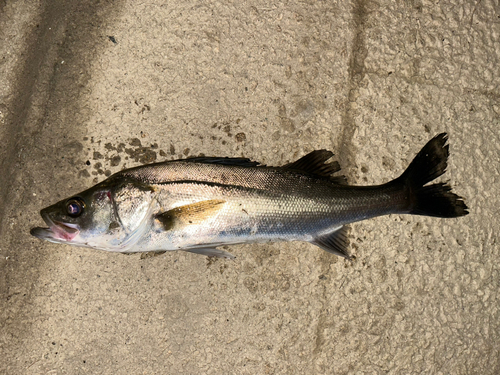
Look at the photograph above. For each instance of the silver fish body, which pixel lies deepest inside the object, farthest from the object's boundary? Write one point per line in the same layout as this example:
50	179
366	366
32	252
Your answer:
201	203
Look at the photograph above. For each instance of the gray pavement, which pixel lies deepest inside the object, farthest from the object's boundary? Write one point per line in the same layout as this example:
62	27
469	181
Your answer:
88	88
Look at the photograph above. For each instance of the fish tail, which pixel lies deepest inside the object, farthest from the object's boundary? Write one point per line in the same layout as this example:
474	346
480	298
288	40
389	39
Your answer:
436	199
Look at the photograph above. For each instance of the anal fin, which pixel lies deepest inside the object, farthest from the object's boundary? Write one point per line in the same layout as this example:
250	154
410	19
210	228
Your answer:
211	252
335	242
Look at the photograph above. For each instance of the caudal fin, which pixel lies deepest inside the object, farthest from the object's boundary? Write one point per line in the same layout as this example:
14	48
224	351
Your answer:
436	199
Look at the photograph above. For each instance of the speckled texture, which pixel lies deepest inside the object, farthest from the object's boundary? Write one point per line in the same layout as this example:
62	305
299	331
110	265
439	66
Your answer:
90	88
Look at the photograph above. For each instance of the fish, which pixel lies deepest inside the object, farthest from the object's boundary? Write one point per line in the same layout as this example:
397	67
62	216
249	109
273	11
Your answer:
202	203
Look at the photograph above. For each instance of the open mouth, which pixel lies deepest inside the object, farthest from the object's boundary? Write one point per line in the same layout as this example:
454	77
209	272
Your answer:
56	231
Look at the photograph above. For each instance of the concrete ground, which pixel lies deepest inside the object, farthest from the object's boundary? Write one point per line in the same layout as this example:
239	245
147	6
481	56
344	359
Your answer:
88	88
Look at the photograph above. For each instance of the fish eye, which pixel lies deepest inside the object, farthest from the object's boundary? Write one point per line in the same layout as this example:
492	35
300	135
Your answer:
75	206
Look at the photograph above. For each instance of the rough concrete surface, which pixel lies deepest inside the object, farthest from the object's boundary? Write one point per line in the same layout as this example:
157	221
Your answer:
88	88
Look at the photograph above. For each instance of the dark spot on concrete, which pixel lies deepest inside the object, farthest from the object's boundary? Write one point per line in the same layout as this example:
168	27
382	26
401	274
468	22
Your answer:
71	148
364	169
148	156
186	151
150	254
97	155
109	147
287	124
162	153
136	142
282	110
227	129
87	162
240	137
107	173
388	163
113	39
250	284
154	145
223	142
172	150
305	108
84	173
399	305
259	306
115	160
97	165
142	154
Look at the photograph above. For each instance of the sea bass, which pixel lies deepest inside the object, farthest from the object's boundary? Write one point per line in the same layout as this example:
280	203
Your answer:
201	203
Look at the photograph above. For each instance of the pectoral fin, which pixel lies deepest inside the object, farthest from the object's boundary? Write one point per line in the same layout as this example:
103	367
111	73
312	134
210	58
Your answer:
335	242
212	252
194	213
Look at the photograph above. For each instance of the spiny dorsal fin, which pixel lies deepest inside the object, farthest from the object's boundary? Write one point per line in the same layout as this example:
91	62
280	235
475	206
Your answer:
194	213
335	242
242	162
315	163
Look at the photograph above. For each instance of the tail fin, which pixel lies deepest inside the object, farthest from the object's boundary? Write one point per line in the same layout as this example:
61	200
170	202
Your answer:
437	199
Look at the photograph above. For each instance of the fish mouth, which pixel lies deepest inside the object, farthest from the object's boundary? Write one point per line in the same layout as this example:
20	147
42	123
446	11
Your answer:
56	232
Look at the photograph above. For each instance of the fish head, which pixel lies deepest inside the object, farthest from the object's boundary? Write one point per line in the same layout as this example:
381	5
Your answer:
106	216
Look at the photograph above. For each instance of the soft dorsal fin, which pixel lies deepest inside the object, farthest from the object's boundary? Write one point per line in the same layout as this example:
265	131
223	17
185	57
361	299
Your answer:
242	162
188	214
335	242
315	163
